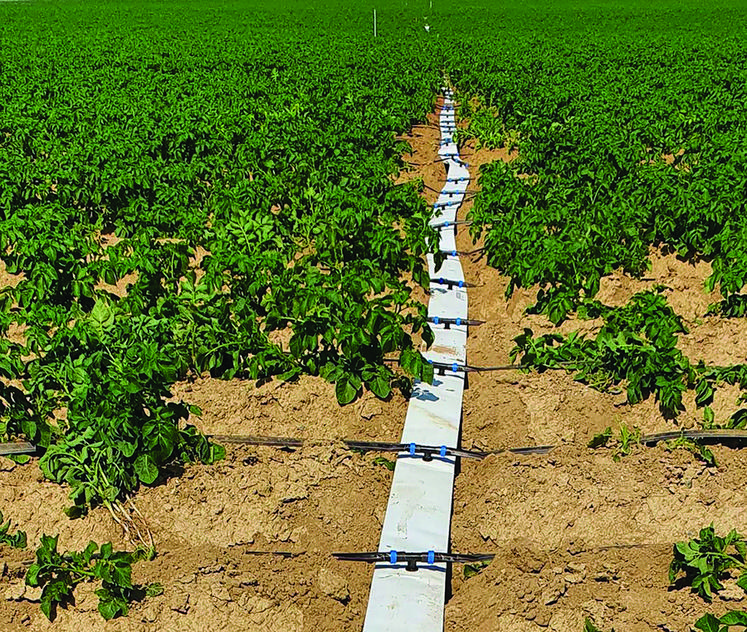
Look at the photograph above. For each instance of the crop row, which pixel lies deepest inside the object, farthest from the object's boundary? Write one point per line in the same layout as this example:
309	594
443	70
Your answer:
630	136
175	205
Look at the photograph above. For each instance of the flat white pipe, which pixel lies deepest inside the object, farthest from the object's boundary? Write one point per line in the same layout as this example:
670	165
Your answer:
418	516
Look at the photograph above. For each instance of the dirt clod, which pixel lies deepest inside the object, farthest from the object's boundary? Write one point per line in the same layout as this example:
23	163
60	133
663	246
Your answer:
334	586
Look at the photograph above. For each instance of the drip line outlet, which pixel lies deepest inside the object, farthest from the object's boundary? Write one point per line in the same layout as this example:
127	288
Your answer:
448	322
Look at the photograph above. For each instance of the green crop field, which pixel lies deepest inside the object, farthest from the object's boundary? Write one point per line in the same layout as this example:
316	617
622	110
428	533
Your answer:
630	124
194	188
174	128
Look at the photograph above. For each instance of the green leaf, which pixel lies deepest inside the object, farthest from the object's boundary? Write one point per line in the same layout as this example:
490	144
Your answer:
46	605
55	592
428	336
380	460
89	551
32	575
217	453
427	373
470	570
112	602
195	410
345	390
106	549
146	468
589	626
708	623
734	617
127	449
708	416
601	439
101	316
20	541
76	511
380	386
741	547
16	540
108	608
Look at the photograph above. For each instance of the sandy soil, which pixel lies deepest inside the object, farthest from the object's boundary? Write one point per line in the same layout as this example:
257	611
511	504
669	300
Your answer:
551	517
575	533
207	522
571	506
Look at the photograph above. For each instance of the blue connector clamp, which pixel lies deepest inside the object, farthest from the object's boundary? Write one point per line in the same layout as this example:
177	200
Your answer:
392	557
455	367
458	322
461	283
443	451
436	320
431	557
412	449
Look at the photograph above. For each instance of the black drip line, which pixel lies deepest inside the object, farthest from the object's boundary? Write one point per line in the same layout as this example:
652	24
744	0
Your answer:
448	322
413	449
453	157
411	559
444	205
452	224
425	558
466	192
426	452
465	253
450	283
717	435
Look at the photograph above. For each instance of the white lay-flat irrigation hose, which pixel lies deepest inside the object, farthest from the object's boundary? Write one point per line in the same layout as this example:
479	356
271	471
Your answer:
418	515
